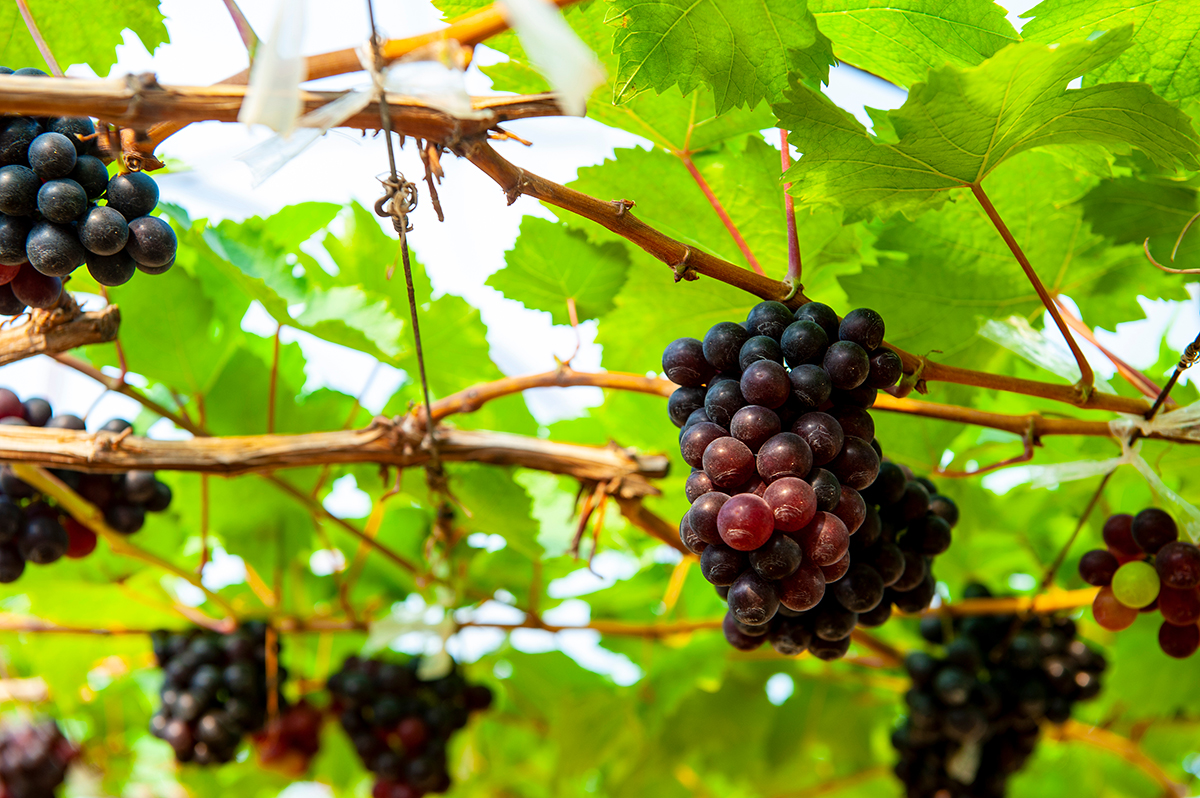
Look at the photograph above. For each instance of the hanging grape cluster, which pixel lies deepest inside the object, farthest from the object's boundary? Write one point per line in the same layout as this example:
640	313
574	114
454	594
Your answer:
51	219
34	529
34	760
1145	567
400	725
215	690
292	740
974	713
774	422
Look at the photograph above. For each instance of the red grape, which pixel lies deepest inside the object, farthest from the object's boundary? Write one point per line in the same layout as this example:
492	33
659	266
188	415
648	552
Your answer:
752	599
696	439
1110	613
1178	564
836	571
1179	642
745	522
702	517
784	455
823	434
824	540
851	509
857	464
728	462
778	558
753	425
736	637
1180	607
766	383
793	503
722	565
804	589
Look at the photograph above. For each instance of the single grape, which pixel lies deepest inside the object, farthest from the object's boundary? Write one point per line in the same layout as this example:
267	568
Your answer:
822	433
862	396
30	72
1097	567
765	383
913	503
790	638
104	232
684	364
869	531
13	232
929	535
804	589
161	500
778	558
125	518
888	561
1179	642
1118	536
723	343
823	315
745	522
728	462
35	289
67	421
753	425
854	421
132	195
722	565
722	400
824	540
1110	613
915	572
827	489
738	638
861	590
37	412
43	540
784	455
91	174
760	347
1178	565
836	571
864	327
803	342
61	200
1180	607
811	385
696	439
697	485
110	270
702	517
15	138
9	304
851	509
1152	529
752	599
769	319
857	464
793	503
12	564
886	369
888	487
829	650
18	190
81	541
943	507
151	242
831	621
52	155
847	364
54	249
1135	584
688	537
79	129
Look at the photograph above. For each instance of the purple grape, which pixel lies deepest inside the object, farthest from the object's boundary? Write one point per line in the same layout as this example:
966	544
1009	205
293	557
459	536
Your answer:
765	383
753	425
803	342
723	343
784	455
728	462
847	364
684	364
822	433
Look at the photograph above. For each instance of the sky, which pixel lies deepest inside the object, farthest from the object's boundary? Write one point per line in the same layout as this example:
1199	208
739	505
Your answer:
459	254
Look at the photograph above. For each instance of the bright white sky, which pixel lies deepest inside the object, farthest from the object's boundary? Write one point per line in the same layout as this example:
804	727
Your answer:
460	254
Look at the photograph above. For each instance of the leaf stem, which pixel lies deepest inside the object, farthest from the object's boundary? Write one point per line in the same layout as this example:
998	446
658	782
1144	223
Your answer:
244	29
38	40
1087	378
274	381
722	214
795	268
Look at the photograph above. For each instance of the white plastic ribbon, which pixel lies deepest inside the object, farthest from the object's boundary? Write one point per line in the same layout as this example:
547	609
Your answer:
563	59
433	75
1018	336
1182	423
273	96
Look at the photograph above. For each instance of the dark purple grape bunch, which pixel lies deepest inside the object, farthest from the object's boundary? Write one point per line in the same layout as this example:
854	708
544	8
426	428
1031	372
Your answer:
1146	568
975	711
775	425
59	210
34	529
400	724
215	690
34	760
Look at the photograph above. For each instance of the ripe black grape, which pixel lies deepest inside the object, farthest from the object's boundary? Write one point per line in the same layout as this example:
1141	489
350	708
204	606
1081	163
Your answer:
803	342
1097	567
827	489
778	558
111	270
54	249
722	565
151	242
760	347
1177	563
752	599
15	139
765	383
722	400
831	621
822	433
811	385
52	155
857	464
133	194
822	315
769	319
728	462
18	190
1152	529
723	344
753	425
79	130
886	369
103	231
61	200
684	364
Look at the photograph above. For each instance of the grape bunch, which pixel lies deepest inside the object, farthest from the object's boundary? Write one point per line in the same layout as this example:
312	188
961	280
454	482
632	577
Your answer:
400	725
292	740
1145	567
214	690
34	529
974	713
774	422
51	219
34	760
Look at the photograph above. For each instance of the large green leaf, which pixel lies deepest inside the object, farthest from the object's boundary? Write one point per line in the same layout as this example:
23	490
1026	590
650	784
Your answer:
900	41
551	265
961	124
745	52
1164	52
81	32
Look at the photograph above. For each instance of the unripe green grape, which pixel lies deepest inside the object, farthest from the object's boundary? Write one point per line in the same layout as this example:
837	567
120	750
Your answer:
1136	584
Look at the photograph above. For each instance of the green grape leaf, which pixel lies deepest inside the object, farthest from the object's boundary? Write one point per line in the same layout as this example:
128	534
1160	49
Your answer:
961	124
1165	52
743	51
81	32
552	265
900	41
